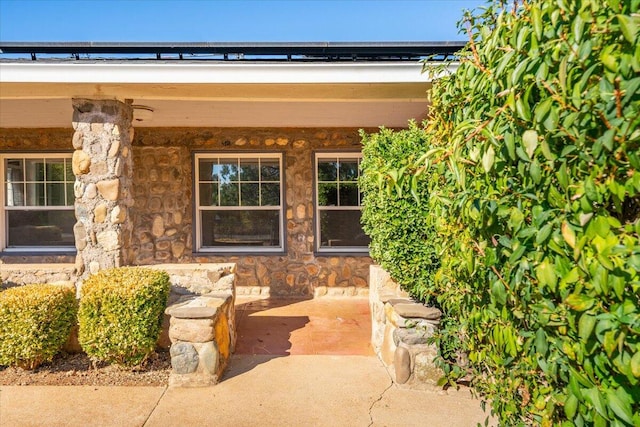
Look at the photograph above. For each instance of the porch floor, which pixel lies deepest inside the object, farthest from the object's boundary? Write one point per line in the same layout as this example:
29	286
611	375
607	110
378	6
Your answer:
321	326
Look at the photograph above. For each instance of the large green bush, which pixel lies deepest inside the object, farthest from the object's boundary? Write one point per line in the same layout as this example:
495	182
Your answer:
531	172
397	225
121	312
35	323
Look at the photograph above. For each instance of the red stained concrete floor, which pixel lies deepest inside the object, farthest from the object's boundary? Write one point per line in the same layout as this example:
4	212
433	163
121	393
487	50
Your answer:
324	326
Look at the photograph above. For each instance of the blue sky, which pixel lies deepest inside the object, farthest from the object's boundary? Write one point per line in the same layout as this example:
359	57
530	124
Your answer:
229	21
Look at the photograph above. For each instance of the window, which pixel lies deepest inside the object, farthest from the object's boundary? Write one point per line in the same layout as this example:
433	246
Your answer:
338	201
37	202
239	202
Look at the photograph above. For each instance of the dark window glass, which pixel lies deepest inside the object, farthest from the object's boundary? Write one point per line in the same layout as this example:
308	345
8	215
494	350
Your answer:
209	194
40	228
241	228
327	194
341	228
249	170
250	194
327	170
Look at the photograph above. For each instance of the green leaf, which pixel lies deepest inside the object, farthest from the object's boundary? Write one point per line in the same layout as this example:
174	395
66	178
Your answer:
530	140
579	302
488	158
570	406
498	292
634	364
620	407
585	326
629	27
545	272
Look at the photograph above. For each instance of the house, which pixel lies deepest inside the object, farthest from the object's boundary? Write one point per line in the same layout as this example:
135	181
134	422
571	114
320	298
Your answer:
140	153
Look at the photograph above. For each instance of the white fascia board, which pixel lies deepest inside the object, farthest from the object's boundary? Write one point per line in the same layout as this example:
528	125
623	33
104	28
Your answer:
184	73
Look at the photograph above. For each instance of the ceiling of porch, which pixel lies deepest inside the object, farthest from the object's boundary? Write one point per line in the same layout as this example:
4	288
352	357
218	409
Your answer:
165	95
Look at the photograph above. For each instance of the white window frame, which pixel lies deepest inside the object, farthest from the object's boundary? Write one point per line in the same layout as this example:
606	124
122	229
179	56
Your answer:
198	209
4	226
339	155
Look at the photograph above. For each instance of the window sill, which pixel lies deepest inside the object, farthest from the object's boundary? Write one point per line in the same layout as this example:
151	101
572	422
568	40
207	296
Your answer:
215	253
353	253
36	252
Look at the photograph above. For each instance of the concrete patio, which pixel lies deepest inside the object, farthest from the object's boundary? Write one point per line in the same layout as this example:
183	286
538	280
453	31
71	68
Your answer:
297	363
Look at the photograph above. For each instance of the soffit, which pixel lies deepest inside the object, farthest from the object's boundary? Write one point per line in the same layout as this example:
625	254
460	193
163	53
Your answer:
222	95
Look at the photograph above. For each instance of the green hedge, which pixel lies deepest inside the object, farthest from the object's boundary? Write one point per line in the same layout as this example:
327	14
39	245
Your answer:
533	205
397	225
121	312
35	323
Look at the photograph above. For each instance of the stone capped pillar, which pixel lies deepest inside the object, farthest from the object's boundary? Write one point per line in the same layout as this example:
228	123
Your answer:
102	164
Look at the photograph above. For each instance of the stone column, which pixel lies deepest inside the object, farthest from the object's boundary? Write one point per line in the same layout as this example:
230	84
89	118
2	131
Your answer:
103	168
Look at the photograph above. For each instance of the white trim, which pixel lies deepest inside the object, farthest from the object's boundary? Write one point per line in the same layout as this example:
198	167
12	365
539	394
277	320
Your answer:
193	72
4	231
317	208
198	209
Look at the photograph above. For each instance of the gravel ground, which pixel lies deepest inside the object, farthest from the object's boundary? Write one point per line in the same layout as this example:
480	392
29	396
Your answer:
77	369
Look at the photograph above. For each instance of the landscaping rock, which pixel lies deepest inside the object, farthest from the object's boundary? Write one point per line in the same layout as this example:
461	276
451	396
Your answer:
184	358
402	364
417	310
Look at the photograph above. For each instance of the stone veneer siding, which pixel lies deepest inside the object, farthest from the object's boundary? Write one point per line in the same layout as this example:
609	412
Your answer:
162	212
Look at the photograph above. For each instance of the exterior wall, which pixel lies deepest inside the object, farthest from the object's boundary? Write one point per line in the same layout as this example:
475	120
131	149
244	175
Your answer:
33	140
163	209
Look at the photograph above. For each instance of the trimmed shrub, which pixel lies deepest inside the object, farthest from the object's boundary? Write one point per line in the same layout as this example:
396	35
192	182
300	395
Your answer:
35	323
531	175
396	221
120	314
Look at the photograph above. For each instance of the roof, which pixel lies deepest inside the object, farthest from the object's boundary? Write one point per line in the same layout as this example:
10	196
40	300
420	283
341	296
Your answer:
256	51
223	84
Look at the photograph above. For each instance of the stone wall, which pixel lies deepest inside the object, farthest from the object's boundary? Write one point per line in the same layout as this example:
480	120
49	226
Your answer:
163	210
102	166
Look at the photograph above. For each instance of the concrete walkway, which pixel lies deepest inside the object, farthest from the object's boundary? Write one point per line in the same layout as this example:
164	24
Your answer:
297	363
257	390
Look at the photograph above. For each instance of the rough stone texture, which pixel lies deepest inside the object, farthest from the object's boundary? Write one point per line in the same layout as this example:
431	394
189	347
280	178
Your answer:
201	312
402	364
25	274
402	343
103	178
162	188
192	330
184	358
417	310
162	214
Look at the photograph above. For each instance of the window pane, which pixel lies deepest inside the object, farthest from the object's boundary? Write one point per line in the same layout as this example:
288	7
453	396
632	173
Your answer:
35	170
227	170
327	170
250	194
341	228
35	194
14	170
55	194
40	228
270	195
327	194
249	170
15	194
348	194
206	170
55	170
348	170
209	194
70	195
229	194
69	172
270	170
241	228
